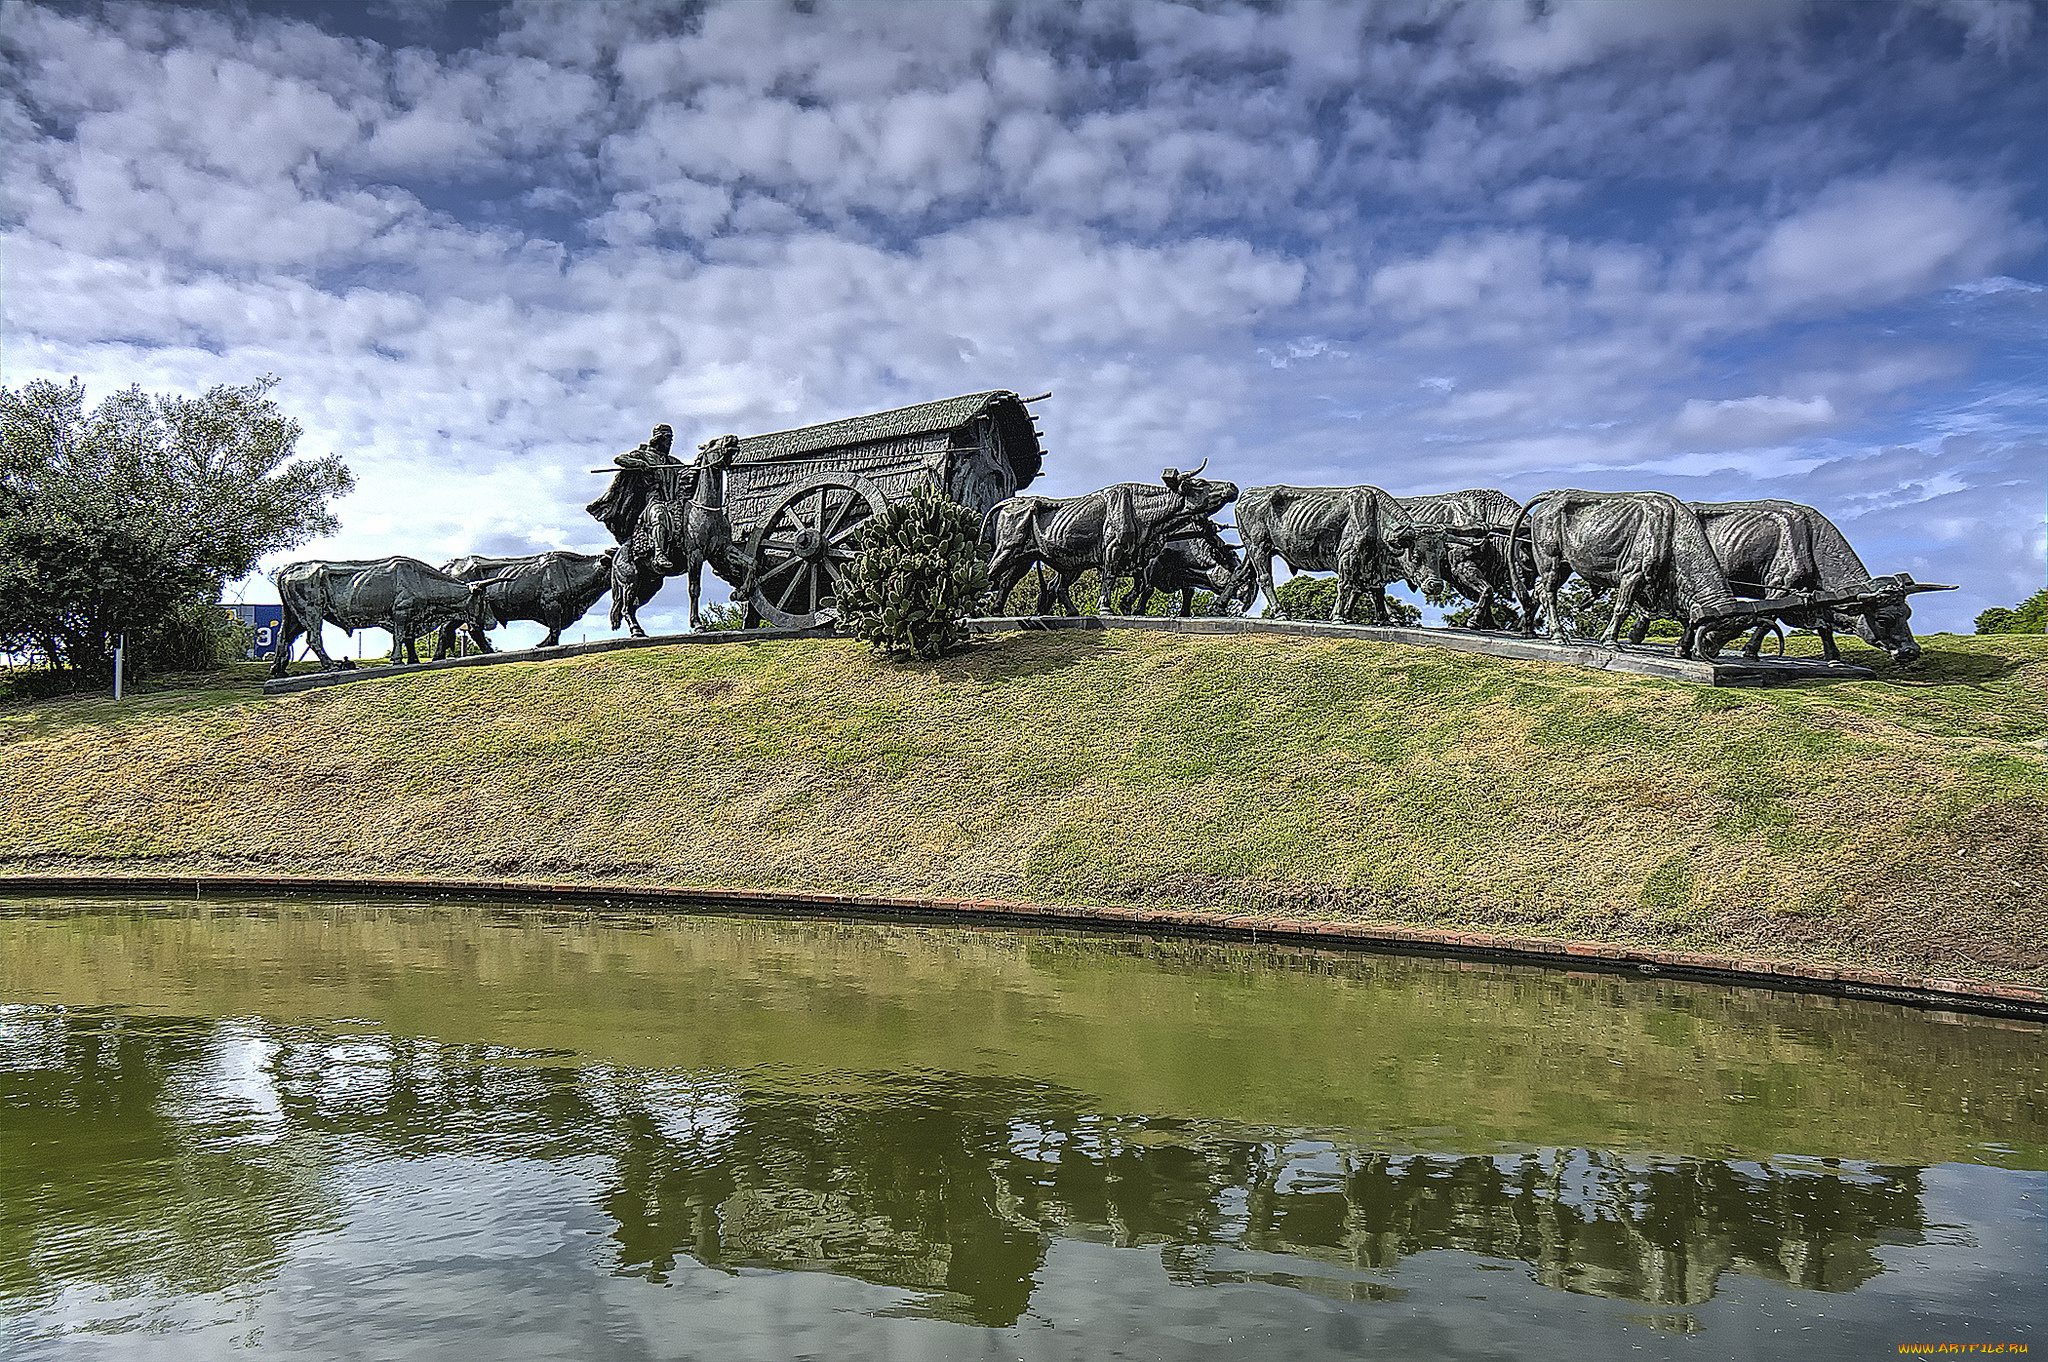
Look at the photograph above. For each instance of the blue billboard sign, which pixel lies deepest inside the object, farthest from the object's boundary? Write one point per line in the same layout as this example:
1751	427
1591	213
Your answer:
266	620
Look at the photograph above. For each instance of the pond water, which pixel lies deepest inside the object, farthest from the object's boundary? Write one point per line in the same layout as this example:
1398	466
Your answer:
385	1130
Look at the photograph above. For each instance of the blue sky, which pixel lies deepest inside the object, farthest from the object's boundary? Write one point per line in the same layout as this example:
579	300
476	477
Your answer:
1743	249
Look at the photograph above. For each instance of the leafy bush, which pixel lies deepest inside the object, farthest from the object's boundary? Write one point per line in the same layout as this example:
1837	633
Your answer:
1023	598
39	683
1505	616
2030	616
723	616
918	575
193	635
1302	597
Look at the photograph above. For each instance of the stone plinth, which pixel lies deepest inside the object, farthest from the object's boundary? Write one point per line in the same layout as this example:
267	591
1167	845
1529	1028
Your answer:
1647	659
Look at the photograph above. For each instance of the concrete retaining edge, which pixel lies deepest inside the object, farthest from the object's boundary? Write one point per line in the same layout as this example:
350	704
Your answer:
287	685
1942	994
1640	659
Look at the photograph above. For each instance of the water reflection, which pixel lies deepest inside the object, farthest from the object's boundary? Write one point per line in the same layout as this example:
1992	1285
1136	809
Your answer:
163	1153
190	1106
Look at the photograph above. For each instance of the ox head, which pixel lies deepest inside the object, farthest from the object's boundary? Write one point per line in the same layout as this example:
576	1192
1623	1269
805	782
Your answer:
1715	632
719	452
1421	554
1204	496
1881	617
477	610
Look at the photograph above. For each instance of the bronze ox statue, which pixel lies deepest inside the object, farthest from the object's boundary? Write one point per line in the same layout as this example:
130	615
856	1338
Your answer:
1116	531
1186	563
1779	548
400	594
1362	534
555	588
1473	563
1648	546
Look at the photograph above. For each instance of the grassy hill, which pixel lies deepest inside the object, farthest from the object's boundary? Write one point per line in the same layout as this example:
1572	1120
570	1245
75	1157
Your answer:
1900	822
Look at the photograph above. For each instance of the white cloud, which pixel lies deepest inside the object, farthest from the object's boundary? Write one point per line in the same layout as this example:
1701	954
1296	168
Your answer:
1530	41
1321	241
1876	240
1998	283
1745	422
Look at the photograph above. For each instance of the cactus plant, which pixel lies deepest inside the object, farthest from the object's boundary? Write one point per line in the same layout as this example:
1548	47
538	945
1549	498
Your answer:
919	573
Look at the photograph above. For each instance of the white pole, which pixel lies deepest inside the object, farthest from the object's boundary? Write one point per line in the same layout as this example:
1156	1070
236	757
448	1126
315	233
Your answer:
120	646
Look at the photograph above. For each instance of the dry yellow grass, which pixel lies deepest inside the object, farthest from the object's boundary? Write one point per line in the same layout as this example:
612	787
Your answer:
1900	822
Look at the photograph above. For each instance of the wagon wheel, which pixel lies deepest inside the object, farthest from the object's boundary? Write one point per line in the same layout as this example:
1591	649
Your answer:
801	547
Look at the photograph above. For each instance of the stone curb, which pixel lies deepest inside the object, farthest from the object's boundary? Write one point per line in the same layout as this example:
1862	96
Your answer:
1913	990
285	685
1642	660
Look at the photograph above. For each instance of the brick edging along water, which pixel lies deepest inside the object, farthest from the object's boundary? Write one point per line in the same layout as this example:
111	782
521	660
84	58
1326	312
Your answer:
1953	995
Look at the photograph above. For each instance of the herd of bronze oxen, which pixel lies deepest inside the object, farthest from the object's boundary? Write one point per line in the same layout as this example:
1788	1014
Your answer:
1717	568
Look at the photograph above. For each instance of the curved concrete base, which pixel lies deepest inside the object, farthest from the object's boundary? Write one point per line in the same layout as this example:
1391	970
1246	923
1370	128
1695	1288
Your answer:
1645	659
1950	995
285	685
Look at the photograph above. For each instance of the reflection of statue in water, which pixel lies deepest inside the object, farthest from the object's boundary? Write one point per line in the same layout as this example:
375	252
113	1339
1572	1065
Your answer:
1657	1232
954	1189
940	1196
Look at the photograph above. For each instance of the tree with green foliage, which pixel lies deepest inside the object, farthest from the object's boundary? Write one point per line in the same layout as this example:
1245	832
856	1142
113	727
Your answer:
918	575
2030	616
1586	610
129	519
1302	597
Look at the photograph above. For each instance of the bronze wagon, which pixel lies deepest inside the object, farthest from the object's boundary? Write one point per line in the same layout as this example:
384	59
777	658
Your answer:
798	498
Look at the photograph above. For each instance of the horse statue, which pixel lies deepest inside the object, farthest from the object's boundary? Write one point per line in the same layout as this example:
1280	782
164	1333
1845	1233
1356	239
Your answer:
669	518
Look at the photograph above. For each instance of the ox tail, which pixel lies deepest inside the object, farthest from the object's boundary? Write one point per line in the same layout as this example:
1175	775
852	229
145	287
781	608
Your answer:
1514	535
987	534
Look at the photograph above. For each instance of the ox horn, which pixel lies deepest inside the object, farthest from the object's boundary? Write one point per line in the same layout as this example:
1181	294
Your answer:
1196	470
1900	584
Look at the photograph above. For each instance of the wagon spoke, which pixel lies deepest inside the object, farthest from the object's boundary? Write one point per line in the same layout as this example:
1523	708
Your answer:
840	515
803	544
783	566
782	601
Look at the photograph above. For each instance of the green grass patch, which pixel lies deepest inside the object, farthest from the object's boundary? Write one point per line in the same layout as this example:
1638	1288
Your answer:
1893	819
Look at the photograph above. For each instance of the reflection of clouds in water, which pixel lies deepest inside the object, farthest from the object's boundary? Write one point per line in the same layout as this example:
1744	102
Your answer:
1312	1164
699	1111
232	1091
30	1037
343	1072
513	1199
694	1109
1964	1261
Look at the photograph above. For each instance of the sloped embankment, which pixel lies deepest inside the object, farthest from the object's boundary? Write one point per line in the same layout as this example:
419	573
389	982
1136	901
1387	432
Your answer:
1901	822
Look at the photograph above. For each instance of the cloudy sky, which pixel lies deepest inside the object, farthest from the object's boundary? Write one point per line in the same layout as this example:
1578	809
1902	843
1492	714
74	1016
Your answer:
1739	249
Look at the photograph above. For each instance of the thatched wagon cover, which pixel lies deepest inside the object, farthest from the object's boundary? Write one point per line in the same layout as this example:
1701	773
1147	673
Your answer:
890	434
